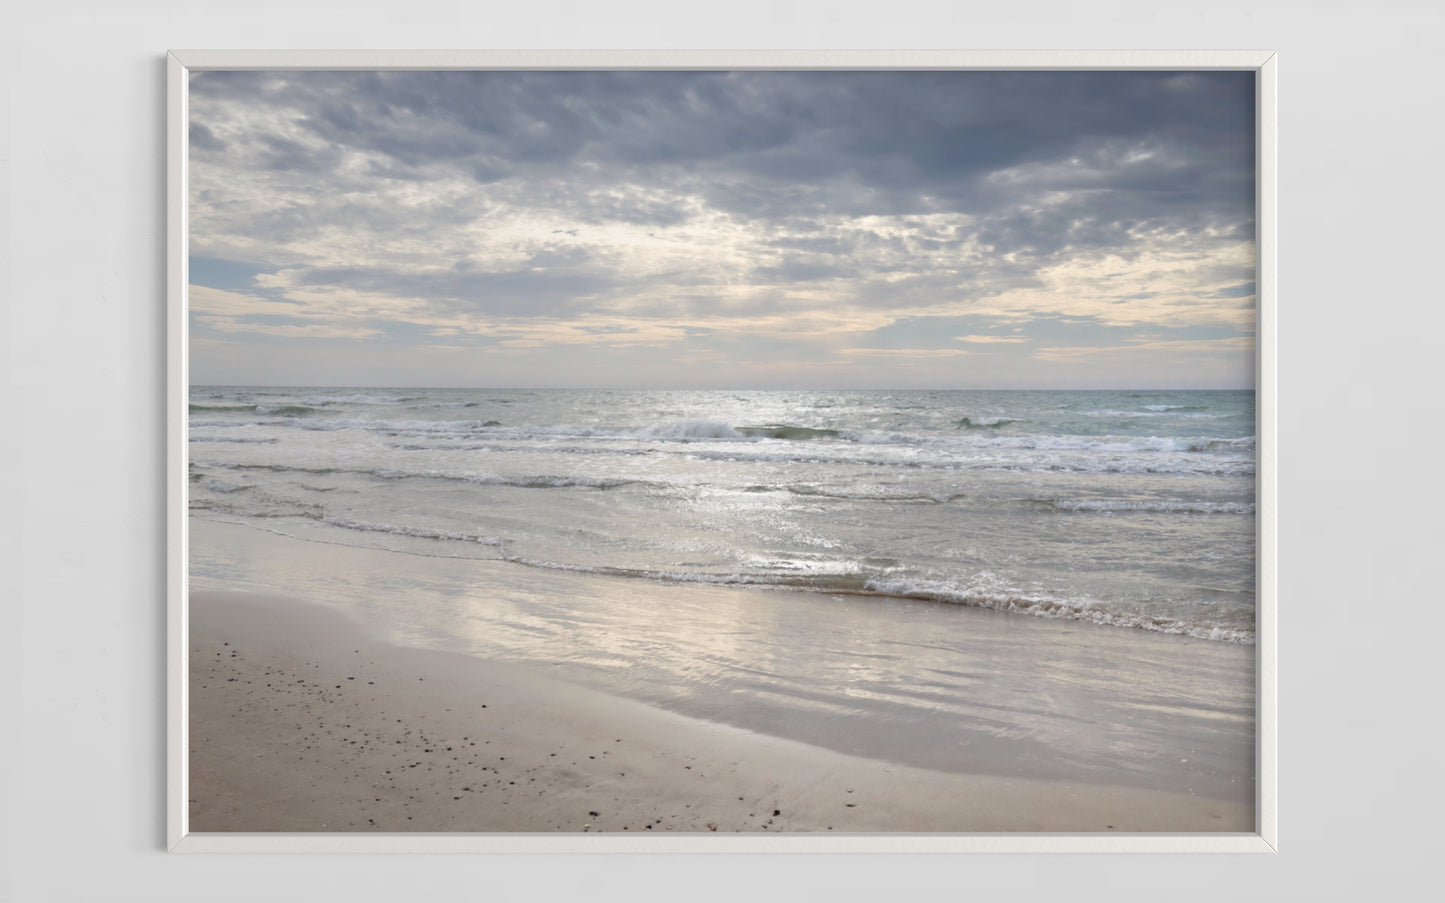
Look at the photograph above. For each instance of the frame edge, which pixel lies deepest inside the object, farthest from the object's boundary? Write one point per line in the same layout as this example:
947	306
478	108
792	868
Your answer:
1266	726
177	377
721	59
180	63
715	844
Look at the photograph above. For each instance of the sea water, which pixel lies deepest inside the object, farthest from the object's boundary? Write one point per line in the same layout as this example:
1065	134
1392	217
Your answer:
1131	509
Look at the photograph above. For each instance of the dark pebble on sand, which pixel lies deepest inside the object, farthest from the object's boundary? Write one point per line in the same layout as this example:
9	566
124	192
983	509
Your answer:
593	814
777	811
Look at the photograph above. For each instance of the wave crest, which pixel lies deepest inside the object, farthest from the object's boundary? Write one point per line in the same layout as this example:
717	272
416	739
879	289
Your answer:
787	431
984	423
690	429
1139	506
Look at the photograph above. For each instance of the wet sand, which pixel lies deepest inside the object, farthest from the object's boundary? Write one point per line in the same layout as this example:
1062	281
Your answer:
301	723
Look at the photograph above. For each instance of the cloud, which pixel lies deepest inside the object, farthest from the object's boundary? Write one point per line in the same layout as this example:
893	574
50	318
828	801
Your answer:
1175	349
203	139
991	339
621	209
233	312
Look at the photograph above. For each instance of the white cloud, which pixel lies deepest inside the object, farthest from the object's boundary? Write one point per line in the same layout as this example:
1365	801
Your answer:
231	312
1176	349
991	339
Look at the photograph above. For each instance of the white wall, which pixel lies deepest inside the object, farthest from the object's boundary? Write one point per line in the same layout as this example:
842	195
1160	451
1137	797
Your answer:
81	426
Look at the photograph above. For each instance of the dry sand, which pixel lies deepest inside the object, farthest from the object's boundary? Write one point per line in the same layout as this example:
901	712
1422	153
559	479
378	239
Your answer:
298	722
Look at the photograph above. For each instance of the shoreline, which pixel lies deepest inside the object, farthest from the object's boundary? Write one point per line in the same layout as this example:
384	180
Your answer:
940	687
300	722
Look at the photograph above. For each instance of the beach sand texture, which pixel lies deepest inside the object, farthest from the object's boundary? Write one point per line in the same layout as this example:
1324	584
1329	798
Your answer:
301	723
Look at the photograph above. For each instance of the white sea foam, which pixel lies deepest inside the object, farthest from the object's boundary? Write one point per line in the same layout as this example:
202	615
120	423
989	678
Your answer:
1043	606
359	399
225	487
1154	506
540	481
416	532
849	579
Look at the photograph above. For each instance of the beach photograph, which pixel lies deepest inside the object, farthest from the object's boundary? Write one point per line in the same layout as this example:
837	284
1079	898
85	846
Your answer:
698	452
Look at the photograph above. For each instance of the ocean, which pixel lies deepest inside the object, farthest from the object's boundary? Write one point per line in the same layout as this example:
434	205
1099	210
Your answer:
1043	584
1131	509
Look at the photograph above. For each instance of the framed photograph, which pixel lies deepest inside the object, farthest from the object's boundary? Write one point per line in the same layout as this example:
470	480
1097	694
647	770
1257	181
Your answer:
748	451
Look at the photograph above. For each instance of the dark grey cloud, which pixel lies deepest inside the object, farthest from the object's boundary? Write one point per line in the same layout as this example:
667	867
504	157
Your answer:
204	139
766	144
854	141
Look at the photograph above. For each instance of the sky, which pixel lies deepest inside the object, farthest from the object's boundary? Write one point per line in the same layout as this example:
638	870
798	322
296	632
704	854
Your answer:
750	229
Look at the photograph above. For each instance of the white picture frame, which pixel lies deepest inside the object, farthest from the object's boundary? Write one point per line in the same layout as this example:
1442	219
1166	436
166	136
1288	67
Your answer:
179	836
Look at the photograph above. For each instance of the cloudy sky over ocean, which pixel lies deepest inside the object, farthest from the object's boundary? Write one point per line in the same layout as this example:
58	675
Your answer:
723	229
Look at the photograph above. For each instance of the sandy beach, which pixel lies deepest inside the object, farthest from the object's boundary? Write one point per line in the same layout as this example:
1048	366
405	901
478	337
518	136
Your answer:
300	722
